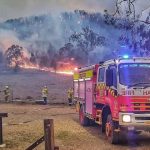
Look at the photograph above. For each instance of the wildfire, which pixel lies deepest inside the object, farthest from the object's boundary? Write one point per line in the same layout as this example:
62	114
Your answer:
37	67
22	61
65	72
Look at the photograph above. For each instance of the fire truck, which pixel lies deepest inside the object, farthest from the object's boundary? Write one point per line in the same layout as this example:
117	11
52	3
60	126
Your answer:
114	94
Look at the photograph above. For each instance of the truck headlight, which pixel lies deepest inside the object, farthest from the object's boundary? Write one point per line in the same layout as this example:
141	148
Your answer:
126	118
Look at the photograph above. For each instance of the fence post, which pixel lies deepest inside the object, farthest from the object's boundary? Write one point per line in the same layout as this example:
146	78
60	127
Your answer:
49	134
1	128
1	131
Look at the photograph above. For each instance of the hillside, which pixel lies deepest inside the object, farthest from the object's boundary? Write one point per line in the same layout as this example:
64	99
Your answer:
50	33
85	37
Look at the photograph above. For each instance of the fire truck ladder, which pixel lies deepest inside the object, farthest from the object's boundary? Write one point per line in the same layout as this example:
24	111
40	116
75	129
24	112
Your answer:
98	116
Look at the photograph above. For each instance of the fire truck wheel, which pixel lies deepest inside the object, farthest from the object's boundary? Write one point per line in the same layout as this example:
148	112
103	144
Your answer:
102	127
84	121
112	136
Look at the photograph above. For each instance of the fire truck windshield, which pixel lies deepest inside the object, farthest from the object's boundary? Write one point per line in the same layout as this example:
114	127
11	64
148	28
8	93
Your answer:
134	74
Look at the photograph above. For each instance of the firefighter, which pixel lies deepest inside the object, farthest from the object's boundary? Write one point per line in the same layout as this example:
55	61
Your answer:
70	96
6	93
45	94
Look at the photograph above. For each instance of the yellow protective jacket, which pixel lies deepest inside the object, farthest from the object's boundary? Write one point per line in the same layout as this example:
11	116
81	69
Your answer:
44	92
6	92
70	93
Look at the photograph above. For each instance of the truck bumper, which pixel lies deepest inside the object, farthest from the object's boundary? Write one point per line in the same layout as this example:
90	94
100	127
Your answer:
137	122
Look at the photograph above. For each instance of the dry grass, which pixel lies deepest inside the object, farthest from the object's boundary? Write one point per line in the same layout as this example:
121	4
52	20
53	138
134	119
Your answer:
28	84
69	135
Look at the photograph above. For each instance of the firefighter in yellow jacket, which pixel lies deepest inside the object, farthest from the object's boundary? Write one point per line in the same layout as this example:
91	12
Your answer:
70	96
6	93
45	94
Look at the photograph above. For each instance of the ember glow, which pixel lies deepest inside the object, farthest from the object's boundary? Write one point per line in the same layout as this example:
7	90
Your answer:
37	67
62	67
18	57
64	72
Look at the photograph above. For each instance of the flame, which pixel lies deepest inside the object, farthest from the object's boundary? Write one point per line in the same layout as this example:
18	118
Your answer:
46	69
62	67
65	72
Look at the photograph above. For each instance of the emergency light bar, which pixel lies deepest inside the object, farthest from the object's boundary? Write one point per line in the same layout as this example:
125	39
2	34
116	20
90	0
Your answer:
125	56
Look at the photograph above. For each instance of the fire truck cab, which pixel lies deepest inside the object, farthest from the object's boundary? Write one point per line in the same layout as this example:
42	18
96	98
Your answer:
116	95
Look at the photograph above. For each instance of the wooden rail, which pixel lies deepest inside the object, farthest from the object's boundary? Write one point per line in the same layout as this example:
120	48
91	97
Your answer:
48	137
35	144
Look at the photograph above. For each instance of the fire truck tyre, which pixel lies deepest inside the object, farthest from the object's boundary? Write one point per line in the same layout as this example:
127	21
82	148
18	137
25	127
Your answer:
112	136
102	127
84	121
92	123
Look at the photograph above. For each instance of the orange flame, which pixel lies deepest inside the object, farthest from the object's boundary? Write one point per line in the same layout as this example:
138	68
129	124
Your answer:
62	67
37	67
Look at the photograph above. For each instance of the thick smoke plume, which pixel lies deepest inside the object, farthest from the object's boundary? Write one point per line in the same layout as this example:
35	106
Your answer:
75	38
49	35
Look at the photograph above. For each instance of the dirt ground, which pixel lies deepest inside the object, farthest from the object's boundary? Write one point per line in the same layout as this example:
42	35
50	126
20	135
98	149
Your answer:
25	124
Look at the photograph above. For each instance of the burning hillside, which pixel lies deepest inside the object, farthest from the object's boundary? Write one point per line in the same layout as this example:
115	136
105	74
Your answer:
16	57
63	41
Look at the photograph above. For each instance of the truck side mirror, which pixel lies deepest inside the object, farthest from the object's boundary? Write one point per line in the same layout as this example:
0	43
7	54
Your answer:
109	77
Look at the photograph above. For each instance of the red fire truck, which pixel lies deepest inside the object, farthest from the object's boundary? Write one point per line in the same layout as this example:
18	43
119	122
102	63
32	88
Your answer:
116	95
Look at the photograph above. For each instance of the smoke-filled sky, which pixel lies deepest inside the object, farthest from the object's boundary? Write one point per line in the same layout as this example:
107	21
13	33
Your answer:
20	8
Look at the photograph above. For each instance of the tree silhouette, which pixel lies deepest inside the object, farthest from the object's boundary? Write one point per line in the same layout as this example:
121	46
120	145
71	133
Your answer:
87	40
129	21
14	56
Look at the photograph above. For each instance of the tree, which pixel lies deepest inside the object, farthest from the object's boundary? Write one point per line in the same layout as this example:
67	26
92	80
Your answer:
14	56
137	39
87	40
66	51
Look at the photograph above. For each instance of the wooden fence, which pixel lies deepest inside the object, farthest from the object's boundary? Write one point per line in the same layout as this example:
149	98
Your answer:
48	137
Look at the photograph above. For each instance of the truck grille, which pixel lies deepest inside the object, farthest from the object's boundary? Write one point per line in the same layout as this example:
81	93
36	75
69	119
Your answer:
142	118
140	106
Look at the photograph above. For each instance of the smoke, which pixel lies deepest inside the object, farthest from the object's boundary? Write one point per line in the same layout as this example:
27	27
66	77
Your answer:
16	8
9	38
97	54
42	36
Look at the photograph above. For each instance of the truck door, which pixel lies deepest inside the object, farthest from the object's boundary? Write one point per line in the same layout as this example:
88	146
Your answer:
89	96
76	89
82	90
100	90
